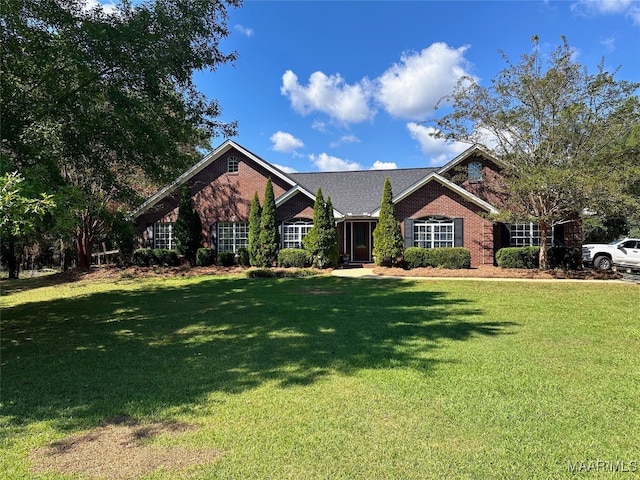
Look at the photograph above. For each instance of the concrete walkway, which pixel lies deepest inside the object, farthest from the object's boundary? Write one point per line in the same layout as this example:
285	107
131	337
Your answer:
369	273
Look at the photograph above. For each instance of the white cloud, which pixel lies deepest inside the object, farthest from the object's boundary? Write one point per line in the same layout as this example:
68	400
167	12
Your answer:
344	139
328	163
602	7
609	44
328	94
378	165
634	14
285	142
628	8
284	168
107	7
410	89
246	31
439	151
319	125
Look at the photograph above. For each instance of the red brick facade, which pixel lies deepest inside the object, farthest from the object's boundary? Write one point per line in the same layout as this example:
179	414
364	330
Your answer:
224	194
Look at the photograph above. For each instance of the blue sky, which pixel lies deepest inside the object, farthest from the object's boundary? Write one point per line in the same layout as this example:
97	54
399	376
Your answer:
331	85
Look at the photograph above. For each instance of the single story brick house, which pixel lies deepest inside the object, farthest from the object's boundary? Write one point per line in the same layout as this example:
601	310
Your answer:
438	206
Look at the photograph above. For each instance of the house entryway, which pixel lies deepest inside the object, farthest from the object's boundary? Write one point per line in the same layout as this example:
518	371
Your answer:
358	240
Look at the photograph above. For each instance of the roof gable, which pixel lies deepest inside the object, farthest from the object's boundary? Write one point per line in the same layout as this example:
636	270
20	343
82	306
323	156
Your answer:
446	183
217	153
470	152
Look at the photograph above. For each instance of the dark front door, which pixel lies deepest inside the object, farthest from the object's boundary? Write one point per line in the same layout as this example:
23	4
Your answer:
361	237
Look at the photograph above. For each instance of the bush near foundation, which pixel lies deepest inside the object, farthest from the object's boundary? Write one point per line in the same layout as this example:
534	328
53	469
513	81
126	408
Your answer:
205	257
226	259
528	257
294	257
450	257
147	257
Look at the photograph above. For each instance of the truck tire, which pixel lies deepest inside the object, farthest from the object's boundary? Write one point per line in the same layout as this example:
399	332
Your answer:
602	262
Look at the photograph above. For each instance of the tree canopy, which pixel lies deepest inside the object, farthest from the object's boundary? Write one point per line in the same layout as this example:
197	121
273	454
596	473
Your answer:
102	106
556	126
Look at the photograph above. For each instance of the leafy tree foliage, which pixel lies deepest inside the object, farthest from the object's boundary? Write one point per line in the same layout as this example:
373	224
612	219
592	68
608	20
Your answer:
20	212
99	106
322	240
387	236
554	124
188	227
269	236
255	218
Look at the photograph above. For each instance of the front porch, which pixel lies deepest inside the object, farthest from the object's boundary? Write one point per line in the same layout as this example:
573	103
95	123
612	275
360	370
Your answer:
355	240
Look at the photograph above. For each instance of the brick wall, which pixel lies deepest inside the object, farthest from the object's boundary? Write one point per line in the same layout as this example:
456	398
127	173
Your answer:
434	199
219	196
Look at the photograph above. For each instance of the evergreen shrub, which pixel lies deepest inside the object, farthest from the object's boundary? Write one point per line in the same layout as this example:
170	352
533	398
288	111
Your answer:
294	257
451	257
518	257
227	259
205	257
528	257
243	256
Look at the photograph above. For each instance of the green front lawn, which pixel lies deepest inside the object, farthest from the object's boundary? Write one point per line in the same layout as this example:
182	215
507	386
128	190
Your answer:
332	378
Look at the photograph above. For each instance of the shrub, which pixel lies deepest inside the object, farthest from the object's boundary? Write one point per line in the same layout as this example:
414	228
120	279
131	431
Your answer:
227	259
143	257
165	258
243	256
565	257
146	257
294	257
205	257
518	257
293	273
454	257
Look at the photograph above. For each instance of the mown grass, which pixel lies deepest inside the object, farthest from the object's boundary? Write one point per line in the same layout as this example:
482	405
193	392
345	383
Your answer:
325	377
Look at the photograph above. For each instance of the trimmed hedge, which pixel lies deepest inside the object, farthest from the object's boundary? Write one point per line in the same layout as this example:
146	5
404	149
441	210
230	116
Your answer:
294	273
227	259
529	257
147	257
243	256
453	257
518	257
205	257
294	257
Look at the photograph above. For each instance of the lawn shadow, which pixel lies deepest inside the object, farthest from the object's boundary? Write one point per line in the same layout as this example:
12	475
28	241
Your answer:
137	352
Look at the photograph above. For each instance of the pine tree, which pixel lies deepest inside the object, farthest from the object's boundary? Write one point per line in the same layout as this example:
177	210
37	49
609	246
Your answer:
269	236
387	236
188	227
255	215
332	236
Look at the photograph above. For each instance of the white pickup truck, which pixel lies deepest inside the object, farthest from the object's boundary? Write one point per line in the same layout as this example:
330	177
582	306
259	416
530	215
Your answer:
621	254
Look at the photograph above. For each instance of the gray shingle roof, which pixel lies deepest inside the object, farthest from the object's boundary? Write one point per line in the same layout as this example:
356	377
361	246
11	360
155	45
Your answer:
359	192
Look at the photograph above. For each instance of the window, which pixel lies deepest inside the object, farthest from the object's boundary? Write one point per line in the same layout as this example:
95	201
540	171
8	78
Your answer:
527	235
163	236
232	164
433	233
232	236
294	231
474	171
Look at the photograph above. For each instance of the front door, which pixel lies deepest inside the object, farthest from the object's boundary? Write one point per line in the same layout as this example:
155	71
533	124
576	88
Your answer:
361	237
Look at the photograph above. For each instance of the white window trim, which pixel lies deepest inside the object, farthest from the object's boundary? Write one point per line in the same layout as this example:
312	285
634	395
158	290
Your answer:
433	234
300	227
160	233
239	236
233	163
527	234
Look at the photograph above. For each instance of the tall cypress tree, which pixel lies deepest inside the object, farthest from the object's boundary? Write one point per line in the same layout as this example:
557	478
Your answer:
269	236
255	215
322	239
188	227
387	237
